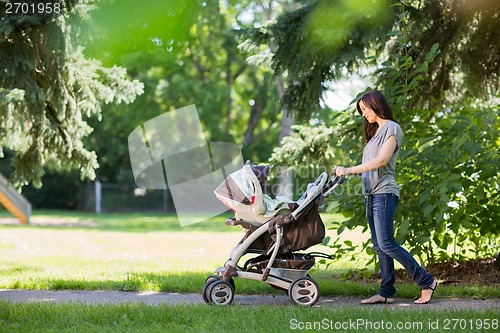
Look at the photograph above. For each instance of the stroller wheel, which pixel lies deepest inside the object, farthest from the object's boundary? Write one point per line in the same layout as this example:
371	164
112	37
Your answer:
304	291
220	292
211	279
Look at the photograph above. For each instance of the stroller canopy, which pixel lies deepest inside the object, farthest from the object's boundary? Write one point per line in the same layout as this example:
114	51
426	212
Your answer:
238	188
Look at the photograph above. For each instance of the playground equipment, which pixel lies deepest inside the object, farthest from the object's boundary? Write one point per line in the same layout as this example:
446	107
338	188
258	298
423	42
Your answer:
14	201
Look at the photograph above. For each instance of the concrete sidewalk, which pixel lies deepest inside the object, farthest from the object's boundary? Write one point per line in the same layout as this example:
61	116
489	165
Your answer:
157	298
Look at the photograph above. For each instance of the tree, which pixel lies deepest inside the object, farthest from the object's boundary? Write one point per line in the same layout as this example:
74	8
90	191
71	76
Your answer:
422	52
318	41
48	90
198	63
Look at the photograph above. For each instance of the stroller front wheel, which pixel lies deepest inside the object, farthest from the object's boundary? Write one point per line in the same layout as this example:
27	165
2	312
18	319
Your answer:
220	292
304	291
211	279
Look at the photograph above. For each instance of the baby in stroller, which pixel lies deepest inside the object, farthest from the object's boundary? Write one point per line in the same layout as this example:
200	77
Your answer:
275	229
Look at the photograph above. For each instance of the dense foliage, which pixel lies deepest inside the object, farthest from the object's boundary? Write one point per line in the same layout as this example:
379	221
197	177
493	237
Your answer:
193	59
448	167
183	52
48	91
325	39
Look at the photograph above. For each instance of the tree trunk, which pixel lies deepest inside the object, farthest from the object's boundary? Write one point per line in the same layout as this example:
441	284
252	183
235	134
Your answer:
285	177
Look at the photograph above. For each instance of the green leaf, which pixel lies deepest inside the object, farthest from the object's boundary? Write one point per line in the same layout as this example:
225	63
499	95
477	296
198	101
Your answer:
439	216
333	207
340	230
403	228
428	210
424	196
432	53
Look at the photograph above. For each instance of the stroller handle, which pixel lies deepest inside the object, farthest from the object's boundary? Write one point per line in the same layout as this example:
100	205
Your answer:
333	184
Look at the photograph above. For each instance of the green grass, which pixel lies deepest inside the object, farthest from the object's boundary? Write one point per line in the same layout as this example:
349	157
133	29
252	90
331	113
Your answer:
77	317
126	222
151	252
142	252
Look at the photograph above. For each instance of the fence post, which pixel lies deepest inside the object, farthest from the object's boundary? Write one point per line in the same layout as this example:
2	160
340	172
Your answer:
98	196
165	200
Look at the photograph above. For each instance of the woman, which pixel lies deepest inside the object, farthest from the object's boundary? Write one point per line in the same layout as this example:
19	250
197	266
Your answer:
383	138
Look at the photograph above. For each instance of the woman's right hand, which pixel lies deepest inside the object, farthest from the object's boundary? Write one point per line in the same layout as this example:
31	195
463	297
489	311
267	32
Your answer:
340	171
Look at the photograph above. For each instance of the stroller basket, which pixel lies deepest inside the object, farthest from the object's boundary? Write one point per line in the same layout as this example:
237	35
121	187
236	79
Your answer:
289	274
289	266
288	261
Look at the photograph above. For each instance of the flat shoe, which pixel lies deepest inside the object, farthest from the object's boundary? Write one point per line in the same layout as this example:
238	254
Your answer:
433	287
376	299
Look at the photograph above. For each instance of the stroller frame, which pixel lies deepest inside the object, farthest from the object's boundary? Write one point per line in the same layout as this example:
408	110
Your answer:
219	288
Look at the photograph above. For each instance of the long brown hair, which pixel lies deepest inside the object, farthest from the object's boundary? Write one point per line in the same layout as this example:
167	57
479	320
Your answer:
377	102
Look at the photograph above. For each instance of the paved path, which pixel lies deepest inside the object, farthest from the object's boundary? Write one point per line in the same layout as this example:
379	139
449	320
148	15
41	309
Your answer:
154	298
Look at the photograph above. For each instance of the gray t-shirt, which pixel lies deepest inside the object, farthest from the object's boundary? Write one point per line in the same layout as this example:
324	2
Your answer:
382	180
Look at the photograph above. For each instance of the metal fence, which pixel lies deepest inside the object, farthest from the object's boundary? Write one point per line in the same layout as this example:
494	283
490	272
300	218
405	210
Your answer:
110	197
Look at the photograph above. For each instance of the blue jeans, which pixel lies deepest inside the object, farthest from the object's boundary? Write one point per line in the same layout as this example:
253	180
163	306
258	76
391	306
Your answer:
380	212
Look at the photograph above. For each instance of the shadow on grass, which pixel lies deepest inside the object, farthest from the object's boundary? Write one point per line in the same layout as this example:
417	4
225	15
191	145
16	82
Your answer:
8	269
192	282
124	222
141	282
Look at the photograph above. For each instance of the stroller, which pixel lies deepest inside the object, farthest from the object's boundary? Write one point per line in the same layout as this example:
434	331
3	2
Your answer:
274	231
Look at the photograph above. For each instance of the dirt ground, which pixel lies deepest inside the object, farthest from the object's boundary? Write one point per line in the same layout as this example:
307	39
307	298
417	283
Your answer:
480	272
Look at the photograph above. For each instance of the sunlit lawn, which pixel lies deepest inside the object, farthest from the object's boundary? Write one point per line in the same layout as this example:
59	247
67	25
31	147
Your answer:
75	317
113	251
132	252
